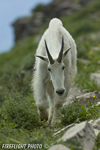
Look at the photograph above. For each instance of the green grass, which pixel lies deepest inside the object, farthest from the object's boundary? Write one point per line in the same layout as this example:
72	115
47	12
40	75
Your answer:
19	120
76	113
97	143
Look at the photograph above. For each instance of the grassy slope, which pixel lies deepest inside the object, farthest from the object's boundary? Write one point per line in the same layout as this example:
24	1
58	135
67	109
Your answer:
19	121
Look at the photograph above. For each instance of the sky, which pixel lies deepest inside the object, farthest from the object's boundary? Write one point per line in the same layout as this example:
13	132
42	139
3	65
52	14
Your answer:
10	11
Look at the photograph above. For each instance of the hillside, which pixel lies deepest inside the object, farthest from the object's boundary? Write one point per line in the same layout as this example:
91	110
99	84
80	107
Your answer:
31	25
19	120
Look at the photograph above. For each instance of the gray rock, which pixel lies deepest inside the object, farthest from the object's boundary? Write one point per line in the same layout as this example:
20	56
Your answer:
98	103
84	61
91	122
96	125
95	77
98	61
95	48
96	132
59	147
84	132
82	97
67	127
86	95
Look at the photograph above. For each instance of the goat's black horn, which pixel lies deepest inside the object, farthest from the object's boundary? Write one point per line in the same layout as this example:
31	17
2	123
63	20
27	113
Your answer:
59	59
48	53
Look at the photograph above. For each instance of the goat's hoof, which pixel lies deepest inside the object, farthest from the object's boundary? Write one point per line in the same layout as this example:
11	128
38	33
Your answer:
43	117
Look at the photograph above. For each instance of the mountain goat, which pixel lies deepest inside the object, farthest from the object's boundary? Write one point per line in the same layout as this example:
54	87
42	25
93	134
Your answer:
55	65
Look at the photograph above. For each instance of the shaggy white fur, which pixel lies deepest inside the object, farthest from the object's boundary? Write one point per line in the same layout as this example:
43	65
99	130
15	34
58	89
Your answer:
52	81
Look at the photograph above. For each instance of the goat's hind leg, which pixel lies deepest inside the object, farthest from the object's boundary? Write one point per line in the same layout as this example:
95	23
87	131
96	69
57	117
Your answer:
50	93
41	100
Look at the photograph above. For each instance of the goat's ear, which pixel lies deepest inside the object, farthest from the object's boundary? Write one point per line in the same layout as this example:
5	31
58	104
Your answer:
42	57
65	52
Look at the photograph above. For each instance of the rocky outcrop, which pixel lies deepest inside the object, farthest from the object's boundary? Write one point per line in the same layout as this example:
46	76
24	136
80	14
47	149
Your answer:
31	25
84	132
84	98
96	125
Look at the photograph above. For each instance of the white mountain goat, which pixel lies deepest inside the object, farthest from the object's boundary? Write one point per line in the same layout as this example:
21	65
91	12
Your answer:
55	65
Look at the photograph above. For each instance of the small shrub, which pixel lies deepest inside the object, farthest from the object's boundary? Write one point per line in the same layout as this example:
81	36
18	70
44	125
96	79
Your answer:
15	82
21	111
75	113
28	62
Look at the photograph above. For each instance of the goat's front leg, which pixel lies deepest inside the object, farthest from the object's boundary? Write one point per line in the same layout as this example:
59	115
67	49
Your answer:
51	112
42	110
56	114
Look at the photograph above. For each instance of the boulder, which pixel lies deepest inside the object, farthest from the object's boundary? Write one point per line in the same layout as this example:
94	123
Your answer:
65	128
95	77
83	98
96	125
82	132
84	61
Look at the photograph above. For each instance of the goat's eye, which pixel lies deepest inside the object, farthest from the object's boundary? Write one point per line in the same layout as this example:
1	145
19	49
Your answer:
49	69
63	67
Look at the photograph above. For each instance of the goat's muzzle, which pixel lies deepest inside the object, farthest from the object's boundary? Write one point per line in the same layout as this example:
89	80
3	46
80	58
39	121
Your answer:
60	92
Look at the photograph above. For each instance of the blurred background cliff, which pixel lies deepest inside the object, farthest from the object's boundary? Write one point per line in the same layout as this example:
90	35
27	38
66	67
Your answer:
9	12
36	14
31	25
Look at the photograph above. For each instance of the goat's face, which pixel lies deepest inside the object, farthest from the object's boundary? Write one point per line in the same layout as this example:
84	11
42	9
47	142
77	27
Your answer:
56	68
56	72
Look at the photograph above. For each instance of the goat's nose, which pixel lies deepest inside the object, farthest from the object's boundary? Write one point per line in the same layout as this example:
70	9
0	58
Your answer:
60	92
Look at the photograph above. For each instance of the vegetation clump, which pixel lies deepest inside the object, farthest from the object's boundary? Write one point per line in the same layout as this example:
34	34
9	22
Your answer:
76	112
